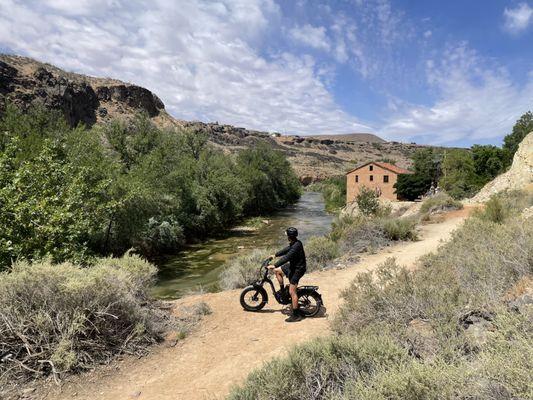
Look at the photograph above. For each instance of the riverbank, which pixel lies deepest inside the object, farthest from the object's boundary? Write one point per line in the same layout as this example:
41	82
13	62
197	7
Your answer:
230	343
197	267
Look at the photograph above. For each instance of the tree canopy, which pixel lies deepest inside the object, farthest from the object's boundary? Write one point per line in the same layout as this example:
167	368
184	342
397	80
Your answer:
70	194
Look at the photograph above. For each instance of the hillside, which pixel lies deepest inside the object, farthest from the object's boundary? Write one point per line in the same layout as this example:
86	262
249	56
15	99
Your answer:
91	100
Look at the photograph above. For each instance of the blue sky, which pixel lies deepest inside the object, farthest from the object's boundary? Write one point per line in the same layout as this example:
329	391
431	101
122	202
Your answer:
452	73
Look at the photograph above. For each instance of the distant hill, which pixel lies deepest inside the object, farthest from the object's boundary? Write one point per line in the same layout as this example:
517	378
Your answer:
352	137
92	100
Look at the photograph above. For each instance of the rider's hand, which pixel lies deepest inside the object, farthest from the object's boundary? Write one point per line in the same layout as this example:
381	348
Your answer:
271	267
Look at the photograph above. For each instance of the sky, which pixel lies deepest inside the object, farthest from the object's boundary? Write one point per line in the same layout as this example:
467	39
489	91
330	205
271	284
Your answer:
453	72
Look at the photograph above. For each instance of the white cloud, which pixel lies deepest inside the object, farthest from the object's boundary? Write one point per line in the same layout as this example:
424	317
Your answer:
427	34
517	19
309	35
475	102
201	57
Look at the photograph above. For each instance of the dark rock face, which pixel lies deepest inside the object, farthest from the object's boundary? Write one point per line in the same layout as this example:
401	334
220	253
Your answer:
71	94
134	96
8	76
78	102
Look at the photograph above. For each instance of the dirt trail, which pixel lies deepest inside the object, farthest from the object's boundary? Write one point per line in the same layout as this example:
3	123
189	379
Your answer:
229	343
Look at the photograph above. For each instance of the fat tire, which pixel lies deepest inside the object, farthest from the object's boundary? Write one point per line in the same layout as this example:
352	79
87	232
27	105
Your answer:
314	295
261	292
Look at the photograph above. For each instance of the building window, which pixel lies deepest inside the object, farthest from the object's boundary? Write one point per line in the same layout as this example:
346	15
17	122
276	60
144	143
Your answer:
371	168
371	178
385	179
356	178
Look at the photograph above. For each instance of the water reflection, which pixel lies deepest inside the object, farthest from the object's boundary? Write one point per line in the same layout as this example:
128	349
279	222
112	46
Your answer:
200	265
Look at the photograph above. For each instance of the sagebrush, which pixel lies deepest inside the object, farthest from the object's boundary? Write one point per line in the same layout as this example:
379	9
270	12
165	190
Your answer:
457	327
61	318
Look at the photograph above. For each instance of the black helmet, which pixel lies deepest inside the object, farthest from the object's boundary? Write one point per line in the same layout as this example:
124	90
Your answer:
292	232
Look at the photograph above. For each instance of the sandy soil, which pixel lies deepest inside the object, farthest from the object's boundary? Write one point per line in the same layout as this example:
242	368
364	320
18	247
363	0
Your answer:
229	343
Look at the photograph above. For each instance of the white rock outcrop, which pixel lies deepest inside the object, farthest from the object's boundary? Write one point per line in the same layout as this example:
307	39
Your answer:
518	177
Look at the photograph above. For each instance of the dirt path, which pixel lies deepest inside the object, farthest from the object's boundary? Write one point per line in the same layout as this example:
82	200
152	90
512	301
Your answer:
229	343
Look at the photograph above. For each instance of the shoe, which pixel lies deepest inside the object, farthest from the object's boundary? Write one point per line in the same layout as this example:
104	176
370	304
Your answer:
295	317
299	312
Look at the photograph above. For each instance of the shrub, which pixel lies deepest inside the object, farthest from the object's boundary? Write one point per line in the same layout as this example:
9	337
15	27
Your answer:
475	268
320	250
60	318
362	235
368	201
320	368
501	206
243	269
399	228
410	381
440	202
494	211
359	234
487	357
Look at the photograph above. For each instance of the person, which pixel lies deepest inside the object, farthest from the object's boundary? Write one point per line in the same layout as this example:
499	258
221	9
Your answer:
291	264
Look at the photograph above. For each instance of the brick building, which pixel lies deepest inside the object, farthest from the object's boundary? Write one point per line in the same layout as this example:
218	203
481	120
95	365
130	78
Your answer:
379	176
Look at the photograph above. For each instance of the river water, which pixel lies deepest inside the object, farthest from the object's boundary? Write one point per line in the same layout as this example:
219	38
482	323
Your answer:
199	265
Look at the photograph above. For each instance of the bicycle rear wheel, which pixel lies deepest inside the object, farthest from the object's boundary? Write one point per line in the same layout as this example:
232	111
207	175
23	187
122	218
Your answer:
309	302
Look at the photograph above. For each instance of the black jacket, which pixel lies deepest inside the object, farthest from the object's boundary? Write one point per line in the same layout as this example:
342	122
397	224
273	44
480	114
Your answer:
294	254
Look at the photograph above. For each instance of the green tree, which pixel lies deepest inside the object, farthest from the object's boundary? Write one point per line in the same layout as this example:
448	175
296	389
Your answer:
268	180
427	169
49	207
459	178
511	142
488	161
411	186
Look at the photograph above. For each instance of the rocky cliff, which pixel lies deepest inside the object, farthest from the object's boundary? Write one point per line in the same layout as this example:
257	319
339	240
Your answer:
89	100
82	99
518	177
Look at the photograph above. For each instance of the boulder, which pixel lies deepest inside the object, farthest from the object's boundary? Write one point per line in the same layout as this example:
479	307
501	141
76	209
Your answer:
478	327
422	339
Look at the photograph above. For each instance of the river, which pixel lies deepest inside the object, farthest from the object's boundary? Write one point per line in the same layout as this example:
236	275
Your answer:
199	265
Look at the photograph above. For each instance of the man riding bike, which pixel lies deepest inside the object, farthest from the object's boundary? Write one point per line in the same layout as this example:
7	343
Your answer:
292	264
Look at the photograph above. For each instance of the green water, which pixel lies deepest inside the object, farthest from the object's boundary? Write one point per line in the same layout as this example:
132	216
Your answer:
200	265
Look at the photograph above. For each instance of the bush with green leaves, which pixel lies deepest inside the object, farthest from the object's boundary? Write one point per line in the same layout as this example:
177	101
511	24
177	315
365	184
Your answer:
334	192
58	318
459	178
320	251
49	207
367	201
71	194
